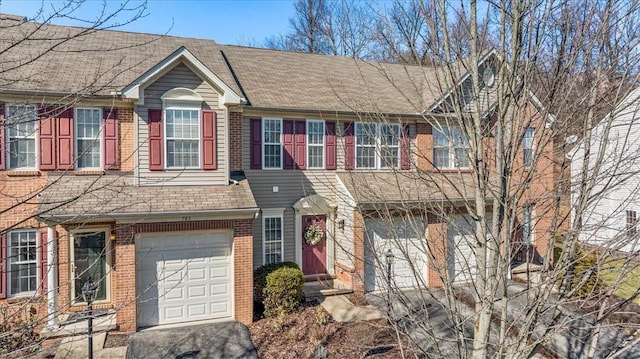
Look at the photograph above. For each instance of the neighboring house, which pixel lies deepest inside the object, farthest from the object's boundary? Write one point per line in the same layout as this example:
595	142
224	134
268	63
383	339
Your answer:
610	217
186	164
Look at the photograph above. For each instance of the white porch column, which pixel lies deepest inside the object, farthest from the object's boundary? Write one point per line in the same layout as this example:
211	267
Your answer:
52	275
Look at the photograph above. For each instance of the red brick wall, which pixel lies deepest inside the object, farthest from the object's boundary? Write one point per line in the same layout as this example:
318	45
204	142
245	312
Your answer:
235	141
358	252
437	251
243	270
424	146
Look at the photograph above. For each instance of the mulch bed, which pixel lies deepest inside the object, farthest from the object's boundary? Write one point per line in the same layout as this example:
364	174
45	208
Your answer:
310	333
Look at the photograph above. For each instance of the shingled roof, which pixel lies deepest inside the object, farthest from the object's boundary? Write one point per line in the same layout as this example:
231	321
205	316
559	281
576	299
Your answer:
408	187
69	60
110	196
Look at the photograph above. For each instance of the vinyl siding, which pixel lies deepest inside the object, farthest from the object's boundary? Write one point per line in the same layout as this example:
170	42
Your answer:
181	76
288	238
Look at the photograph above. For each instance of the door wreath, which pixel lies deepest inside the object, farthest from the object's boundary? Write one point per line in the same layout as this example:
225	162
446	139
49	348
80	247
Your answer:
313	234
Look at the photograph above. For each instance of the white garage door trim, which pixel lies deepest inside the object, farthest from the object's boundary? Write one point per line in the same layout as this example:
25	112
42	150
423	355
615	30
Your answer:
461	260
402	273
174	251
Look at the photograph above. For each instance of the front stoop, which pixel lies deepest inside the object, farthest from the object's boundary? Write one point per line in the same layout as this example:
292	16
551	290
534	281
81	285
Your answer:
325	288
103	323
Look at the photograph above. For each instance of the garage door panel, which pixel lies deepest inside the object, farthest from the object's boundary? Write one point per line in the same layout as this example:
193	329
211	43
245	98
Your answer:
192	276
406	241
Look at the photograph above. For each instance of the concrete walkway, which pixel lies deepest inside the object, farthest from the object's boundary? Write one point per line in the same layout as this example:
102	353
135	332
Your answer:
76	347
342	310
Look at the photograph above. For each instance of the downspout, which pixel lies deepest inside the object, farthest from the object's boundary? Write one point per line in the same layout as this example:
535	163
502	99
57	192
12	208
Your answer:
52	276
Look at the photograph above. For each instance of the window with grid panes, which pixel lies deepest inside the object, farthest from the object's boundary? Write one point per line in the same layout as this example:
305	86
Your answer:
182	126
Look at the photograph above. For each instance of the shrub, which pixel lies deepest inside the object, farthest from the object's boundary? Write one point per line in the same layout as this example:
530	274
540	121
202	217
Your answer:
260	277
586	269
283	292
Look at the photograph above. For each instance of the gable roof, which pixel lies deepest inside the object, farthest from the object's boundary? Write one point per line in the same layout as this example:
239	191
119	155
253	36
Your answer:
72	60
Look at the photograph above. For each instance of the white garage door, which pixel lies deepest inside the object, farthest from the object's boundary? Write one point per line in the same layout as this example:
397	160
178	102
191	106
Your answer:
406	241
462	259
182	277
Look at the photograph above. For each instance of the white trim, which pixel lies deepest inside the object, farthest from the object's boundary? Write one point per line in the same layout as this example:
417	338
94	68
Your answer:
52	277
135	90
263	144
377	145
108	264
452	163
531	222
272	213
532	149
76	137
181	94
324	143
166	137
37	262
35	137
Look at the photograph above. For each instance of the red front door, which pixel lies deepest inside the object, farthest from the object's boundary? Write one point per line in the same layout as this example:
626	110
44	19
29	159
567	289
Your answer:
314	257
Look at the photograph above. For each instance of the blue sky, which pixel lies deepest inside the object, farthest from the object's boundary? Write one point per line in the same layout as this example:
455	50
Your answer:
244	22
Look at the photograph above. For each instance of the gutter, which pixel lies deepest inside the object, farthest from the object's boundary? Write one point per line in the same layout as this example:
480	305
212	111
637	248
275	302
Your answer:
239	212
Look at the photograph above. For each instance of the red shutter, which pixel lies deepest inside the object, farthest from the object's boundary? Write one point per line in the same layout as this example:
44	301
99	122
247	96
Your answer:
65	140
405	148
330	145
3	266
46	136
110	139
349	146
3	152
287	141
209	159
301	145
256	143
155	140
44	269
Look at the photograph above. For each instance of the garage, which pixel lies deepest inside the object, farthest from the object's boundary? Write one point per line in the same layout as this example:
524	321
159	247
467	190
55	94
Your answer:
406	241
461	259
184	277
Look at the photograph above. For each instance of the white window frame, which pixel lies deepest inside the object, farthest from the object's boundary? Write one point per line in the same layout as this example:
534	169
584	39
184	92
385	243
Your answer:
631	223
265	144
310	145
78	138
33	137
529	224
377	145
166	138
379	158
528	146
9	271
453	162
271	214
108	265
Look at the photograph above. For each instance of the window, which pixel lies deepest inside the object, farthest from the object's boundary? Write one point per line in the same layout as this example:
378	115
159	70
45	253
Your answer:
182	137
315	144
377	145
632	223
21	125
22	264
90	260
450	148
88	143
272	145
527	145
272	239
528	224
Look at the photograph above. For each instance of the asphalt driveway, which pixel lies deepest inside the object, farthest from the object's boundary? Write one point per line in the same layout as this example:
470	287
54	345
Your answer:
204	341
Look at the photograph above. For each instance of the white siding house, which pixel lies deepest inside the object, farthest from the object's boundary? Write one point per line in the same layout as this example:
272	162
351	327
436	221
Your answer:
611	197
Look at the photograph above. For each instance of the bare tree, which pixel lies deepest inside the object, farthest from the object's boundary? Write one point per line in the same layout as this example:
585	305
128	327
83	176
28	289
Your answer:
499	167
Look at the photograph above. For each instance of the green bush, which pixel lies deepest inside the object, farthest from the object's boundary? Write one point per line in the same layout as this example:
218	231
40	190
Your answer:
260	277
283	292
586	269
